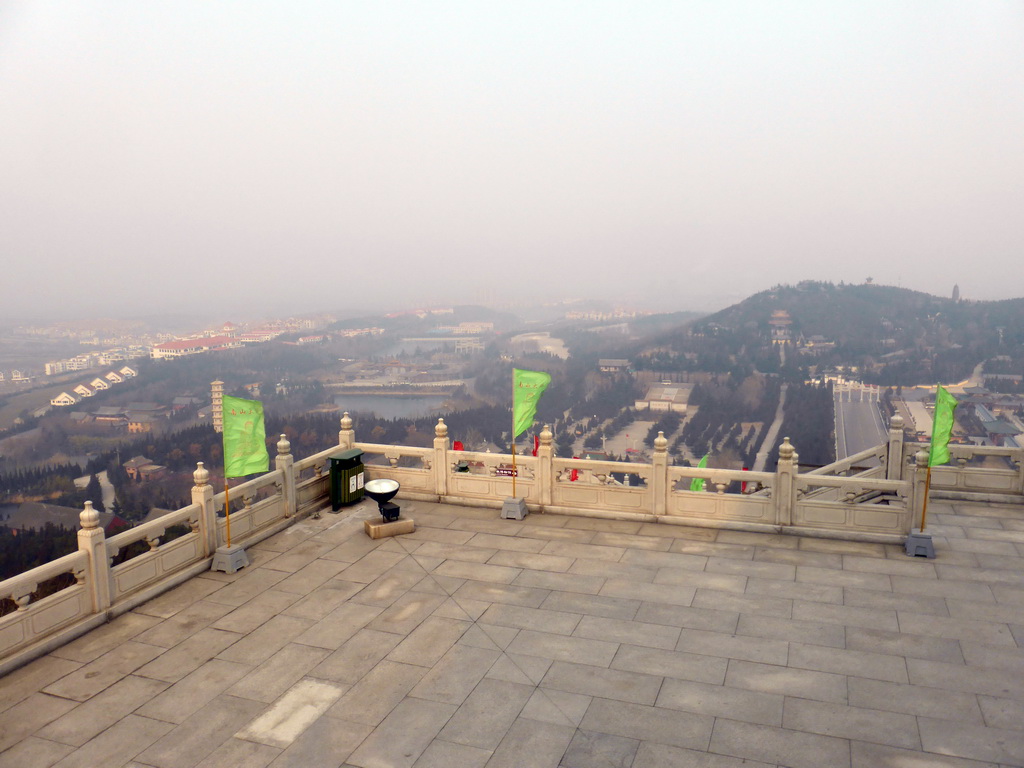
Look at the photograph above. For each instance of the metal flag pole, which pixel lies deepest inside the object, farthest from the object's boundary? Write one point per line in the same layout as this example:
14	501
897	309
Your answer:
227	513
927	487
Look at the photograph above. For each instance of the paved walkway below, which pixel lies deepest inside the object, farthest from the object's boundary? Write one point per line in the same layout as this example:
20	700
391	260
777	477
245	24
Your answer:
555	641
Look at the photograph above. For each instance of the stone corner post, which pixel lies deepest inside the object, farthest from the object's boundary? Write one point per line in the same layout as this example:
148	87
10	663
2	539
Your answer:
785	483
92	540
659	482
347	435
894	457
285	462
440	464
202	494
545	466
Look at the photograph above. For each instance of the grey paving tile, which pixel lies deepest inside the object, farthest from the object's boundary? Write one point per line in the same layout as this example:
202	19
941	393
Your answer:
263	642
334	629
987	575
403	736
633	632
487	714
959	677
121	661
710	619
118	744
900	644
779	745
678	533
677	664
961	590
584	551
792	629
916	567
278	673
914	700
896	601
558	707
655	593
429	641
721	701
557	622
356	656
236	753
560	648
607	569
741	603
653	755
610	607
489	636
456	552
713	549
489	592
177	599
456	674
371	699
194	691
199	734
256	611
732	646
478	571
102	711
507	543
289	716
183	624
321	601
599	750
850	722
845	615
603	525
1002	713
532	744
529	560
877	666
723	582
188	655
371	566
987	632
757	539
632	541
34	753
799	556
249	585
29	715
759	568
999	657
999	612
517	668
586	680
18	685
567	582
445	754
975	742
866	755
829	577
327	742
637	721
787	681
92	645
662	560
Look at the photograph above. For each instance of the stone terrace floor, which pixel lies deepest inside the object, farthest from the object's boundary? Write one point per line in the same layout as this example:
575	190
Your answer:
555	641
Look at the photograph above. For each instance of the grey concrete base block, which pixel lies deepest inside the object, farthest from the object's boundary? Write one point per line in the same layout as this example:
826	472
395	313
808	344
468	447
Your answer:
229	559
514	508
920	544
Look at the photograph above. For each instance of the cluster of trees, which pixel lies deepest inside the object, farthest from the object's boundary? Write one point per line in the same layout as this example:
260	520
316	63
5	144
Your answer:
54	484
668	423
809	421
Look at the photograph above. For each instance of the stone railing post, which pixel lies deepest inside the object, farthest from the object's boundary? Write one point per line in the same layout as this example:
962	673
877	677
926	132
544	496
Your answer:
285	462
920	490
894	457
202	494
93	541
545	466
785	483
440	464
659	482
347	435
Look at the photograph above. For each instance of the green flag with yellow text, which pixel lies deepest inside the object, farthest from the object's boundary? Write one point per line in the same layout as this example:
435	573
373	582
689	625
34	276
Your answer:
697	484
245	438
527	387
942	427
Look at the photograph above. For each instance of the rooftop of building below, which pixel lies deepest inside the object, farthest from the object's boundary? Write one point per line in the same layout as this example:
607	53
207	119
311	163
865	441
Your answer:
557	640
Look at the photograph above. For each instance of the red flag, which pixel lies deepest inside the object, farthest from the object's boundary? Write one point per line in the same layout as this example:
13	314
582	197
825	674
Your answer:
536	444
743	485
574	476
458	446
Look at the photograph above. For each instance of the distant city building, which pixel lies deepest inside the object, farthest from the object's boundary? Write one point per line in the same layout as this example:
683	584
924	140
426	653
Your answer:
612	365
217	396
662	397
64	399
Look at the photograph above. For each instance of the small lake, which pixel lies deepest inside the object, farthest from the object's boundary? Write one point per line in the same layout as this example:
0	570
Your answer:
391	407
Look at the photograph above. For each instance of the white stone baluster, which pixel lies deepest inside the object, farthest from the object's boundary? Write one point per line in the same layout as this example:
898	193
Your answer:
93	541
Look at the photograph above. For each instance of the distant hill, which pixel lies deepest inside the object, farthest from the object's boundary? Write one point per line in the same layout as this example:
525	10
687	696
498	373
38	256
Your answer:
891	335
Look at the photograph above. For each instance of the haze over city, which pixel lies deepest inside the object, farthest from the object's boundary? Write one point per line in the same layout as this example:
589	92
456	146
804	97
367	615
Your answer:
268	157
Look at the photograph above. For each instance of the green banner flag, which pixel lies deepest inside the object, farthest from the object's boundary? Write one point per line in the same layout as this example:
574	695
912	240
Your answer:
245	438
697	484
527	387
942	427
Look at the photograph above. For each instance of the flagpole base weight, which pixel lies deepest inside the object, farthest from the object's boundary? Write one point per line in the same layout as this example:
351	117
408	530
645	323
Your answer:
920	544
514	508
229	559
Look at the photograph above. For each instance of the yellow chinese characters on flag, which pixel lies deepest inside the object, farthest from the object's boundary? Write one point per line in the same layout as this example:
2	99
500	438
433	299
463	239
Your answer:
245	438
527	387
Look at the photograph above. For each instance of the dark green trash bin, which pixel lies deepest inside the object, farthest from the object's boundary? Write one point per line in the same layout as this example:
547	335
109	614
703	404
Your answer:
346	478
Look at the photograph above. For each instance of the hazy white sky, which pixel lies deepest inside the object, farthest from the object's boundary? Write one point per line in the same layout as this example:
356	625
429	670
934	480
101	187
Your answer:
297	156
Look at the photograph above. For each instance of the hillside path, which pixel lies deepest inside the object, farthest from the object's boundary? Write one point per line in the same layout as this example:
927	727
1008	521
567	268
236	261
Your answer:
772	434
